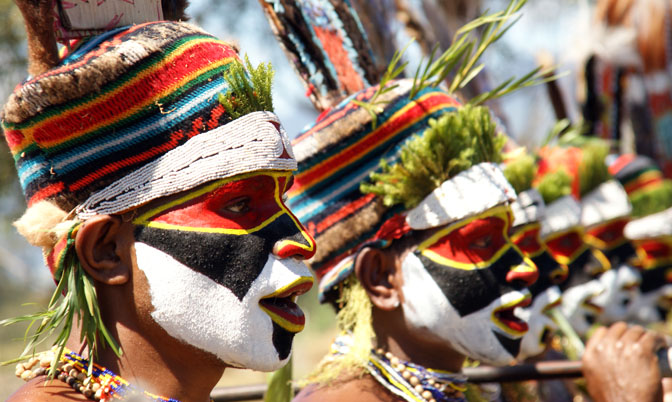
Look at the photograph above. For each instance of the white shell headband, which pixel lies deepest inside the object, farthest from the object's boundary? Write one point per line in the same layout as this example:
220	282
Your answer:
252	142
608	201
562	214
528	207
470	192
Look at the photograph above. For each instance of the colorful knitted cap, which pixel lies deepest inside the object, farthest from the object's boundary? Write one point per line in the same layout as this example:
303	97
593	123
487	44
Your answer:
340	152
647	190
649	193
133	115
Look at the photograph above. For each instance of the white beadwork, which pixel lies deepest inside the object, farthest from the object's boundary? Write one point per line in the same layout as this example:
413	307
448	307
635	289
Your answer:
528	207
470	192
608	201
249	143
651	226
562	214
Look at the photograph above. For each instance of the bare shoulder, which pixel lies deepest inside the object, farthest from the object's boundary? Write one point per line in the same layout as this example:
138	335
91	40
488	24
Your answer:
364	389
39	390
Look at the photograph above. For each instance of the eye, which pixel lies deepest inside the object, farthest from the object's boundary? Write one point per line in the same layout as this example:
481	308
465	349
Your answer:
526	242
238	206
482	242
607	236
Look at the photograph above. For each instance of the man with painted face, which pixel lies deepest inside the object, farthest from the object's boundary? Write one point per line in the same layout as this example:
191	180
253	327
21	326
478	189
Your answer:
155	189
421	271
605	210
650	195
528	211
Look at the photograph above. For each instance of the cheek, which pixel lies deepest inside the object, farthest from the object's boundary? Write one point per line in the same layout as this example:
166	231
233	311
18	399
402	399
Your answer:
196	310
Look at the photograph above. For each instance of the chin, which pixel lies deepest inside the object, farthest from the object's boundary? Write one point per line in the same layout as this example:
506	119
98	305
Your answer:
579	306
196	310
427	310
541	326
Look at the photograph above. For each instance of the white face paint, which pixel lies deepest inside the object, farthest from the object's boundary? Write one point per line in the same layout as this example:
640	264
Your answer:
196	310
621	287
643	311
533	344
427	310
578	303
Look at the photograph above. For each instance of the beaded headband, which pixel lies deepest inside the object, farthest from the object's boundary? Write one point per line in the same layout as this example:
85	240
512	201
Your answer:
561	214
528	207
651	226
608	201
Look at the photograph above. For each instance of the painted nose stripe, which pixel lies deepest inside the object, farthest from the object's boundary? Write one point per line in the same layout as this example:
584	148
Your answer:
527	273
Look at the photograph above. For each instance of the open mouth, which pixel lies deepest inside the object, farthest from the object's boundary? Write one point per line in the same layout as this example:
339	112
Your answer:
282	308
506	319
546	336
593	308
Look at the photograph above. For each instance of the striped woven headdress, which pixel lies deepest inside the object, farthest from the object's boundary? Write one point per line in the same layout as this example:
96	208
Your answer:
339	153
96	133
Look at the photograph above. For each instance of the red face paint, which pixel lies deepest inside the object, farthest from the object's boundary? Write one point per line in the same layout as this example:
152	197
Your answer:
526	238
234	207
608	235
567	246
471	246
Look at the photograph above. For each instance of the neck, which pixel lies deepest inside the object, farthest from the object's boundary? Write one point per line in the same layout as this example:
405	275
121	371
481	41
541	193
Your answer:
408	344
152	360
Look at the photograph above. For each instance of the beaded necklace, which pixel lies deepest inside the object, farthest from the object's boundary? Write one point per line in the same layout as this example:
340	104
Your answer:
415	383
72	369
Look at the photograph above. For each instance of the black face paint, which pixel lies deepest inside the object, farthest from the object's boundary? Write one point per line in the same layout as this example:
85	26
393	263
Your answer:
471	290
576	274
511	345
547	267
654	278
233	261
620	254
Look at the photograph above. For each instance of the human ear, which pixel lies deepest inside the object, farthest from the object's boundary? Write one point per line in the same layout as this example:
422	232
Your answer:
377	271
99	245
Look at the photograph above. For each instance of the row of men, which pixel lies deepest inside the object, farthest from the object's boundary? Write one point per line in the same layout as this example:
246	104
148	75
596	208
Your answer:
160	187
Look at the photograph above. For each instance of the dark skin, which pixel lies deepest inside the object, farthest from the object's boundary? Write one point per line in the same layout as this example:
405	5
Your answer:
379	272
612	352
152	360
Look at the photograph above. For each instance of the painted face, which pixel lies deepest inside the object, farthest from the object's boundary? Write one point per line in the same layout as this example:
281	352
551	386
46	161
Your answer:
221	263
622	281
568	248
463	284
654	260
608	237
545	293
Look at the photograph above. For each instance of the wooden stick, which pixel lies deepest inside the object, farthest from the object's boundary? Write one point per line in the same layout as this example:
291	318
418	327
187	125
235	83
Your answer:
537	371
545	370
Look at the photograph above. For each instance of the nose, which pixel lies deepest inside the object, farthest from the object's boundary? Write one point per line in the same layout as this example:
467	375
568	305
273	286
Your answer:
597	262
300	245
559	274
525	272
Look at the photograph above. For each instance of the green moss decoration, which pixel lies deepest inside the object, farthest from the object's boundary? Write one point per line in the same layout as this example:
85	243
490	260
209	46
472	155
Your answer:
354	318
453	143
250	89
555	185
647	202
593	170
520	172
74	302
